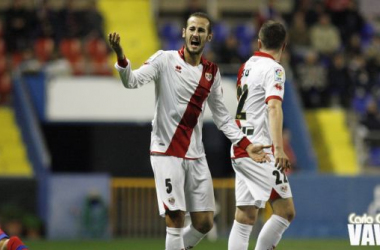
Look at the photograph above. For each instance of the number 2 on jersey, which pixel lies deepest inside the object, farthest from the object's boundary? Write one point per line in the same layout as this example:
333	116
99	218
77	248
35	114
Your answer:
242	94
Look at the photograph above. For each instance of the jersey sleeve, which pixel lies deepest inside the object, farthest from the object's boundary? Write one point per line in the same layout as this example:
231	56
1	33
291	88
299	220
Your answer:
274	83
221	116
147	73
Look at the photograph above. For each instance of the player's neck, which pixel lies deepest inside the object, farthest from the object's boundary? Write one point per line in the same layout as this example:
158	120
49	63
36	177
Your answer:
192	59
274	53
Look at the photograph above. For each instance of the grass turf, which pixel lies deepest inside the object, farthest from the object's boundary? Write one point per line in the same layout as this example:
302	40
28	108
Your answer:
152	244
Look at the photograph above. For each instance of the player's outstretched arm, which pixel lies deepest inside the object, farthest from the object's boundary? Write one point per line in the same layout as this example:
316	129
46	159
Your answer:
114	40
256	153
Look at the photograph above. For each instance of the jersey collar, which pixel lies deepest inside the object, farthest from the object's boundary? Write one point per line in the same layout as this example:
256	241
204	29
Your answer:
263	54
181	53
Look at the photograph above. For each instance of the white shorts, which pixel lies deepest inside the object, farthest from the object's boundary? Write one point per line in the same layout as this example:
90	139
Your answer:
182	184
256	183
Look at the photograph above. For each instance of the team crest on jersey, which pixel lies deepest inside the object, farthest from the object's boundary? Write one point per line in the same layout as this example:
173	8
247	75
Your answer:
284	189
171	200
279	75
208	76
278	86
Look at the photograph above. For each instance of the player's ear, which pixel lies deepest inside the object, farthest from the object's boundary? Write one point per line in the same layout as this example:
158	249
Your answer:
209	37
259	44
283	47
183	32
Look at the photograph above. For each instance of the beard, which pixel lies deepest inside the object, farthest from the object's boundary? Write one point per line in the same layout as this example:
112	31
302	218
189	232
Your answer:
194	52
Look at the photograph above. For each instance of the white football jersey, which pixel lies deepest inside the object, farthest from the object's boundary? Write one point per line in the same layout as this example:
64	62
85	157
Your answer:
181	94
260	79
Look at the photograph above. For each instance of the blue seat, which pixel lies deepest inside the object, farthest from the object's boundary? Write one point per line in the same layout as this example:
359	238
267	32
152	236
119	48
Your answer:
220	32
245	32
170	31
374	156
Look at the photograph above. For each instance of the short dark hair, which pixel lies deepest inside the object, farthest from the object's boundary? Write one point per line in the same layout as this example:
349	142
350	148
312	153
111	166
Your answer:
272	35
202	15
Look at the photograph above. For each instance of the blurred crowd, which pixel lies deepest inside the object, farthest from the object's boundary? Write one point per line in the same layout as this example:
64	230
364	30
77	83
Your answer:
68	39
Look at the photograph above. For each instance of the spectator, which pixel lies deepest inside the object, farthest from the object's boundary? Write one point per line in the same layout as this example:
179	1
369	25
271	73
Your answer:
358	73
48	22
371	118
325	37
339	82
312	82
353	46
352	22
71	20
229	51
94	23
299	35
18	26
192	7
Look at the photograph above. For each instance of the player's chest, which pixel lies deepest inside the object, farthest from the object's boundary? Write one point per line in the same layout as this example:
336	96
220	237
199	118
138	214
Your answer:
185	80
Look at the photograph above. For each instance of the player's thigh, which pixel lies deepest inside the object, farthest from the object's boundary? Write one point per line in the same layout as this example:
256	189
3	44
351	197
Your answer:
199	189
252	184
169	177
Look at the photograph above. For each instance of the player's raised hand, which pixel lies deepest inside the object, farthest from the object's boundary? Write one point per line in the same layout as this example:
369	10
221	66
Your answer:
282	161
256	153
114	40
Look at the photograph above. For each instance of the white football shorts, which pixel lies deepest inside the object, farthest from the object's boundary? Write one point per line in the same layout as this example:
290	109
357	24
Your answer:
256	183
182	184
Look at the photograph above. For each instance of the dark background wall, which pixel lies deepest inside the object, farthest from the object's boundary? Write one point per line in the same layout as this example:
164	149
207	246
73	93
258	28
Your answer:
121	149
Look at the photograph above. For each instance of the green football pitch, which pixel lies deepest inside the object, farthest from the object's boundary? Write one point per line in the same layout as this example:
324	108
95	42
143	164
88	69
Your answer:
153	244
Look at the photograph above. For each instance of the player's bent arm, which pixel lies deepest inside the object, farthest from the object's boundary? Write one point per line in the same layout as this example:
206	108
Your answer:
133	79
147	73
220	115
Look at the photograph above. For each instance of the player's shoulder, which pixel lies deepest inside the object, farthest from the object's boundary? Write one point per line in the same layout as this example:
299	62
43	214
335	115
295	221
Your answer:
159	55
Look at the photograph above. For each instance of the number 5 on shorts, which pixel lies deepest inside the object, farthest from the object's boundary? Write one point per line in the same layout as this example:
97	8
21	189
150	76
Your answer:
168	185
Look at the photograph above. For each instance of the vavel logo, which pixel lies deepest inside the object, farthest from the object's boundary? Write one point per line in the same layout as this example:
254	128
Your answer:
364	229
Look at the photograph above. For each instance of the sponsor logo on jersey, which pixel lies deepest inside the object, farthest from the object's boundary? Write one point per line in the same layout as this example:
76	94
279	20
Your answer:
178	68
208	76
284	189
279	75
171	200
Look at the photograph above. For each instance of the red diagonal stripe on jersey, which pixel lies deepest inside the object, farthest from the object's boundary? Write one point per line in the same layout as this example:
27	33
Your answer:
182	136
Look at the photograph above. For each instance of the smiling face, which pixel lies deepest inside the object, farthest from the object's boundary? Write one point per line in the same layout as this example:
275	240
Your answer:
196	35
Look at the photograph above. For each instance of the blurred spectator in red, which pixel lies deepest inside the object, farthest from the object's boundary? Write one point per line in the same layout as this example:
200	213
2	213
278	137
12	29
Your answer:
5	88
325	37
